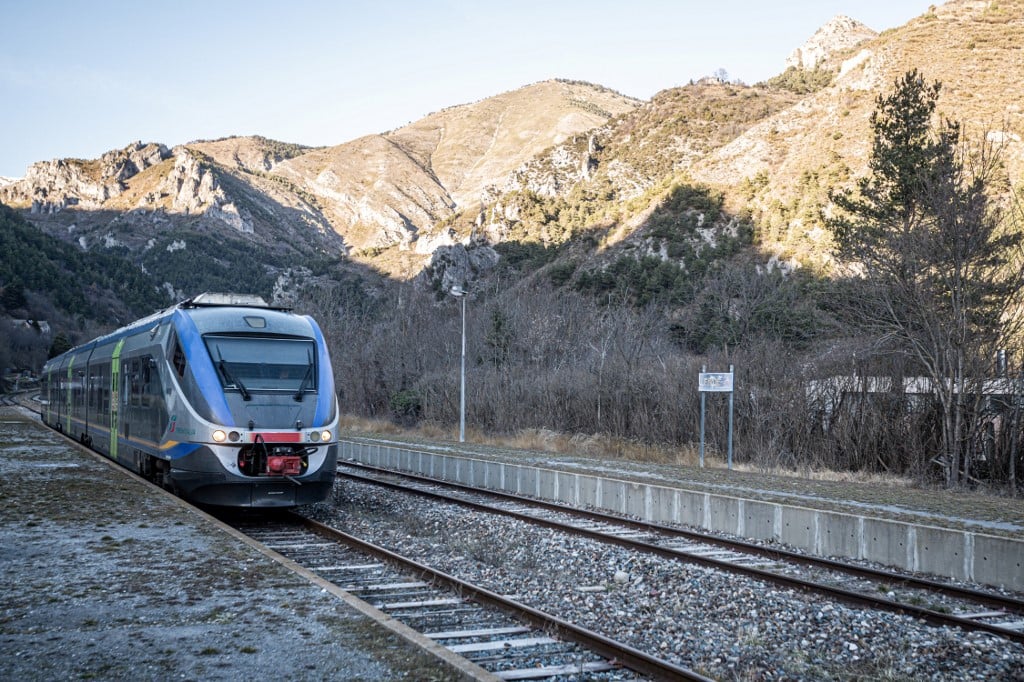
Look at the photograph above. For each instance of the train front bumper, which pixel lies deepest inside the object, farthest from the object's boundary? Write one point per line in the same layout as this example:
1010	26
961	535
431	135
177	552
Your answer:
201	478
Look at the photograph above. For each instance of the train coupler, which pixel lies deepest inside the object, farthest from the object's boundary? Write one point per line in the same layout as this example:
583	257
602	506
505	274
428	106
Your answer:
284	466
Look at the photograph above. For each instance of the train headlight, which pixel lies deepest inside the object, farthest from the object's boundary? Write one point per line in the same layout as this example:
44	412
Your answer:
325	436
219	436
314	436
234	436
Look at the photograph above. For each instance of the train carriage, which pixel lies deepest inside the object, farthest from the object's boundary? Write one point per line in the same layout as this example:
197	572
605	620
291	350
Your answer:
221	398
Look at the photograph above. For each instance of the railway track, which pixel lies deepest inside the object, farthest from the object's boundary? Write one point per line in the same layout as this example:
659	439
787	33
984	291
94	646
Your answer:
767	633
500	635
957	606
8	400
509	639
19	398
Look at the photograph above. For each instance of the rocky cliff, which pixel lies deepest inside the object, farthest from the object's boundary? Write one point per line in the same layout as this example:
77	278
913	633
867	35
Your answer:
49	186
837	36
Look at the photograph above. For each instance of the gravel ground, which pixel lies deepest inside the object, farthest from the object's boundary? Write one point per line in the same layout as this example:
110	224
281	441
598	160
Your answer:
722	625
106	580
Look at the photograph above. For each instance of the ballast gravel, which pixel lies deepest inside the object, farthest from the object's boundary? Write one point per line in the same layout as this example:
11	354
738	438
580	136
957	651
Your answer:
722	625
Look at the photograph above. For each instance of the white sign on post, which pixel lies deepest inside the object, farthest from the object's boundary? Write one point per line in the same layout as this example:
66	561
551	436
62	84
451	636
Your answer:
714	382
717	382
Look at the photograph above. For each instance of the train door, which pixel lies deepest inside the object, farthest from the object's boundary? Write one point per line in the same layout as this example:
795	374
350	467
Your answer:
69	394
51	391
130	393
86	398
115	397
94	418
57	386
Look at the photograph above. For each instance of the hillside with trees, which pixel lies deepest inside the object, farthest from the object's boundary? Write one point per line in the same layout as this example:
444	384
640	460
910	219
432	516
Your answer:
846	369
77	292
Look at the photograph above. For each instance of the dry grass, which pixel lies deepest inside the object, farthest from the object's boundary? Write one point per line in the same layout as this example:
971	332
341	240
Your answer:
607	447
890	480
348	422
602	446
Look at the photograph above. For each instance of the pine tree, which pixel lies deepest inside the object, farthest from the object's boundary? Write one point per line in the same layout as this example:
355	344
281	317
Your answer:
937	262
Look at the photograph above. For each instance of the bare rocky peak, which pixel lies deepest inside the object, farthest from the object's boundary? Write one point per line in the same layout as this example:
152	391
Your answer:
121	164
49	186
190	188
253	154
839	34
393	189
473	148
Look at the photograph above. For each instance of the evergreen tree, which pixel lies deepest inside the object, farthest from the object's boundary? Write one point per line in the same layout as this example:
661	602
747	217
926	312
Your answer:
60	345
938	265
13	296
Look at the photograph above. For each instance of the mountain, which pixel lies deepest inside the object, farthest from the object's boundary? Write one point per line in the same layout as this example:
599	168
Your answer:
397	189
612	248
473	148
71	280
367	195
549	164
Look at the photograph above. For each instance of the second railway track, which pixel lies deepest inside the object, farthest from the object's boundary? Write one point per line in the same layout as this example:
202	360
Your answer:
859	584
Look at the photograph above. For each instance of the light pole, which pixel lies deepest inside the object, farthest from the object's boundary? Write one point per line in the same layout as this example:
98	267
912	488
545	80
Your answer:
459	292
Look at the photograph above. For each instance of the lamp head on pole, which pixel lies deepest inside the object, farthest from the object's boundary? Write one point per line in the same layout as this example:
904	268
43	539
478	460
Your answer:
457	291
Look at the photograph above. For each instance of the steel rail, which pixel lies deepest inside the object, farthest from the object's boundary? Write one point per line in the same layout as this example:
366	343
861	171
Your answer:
987	598
634	659
849	596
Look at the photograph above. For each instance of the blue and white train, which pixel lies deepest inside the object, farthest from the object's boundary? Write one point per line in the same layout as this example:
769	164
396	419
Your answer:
221	398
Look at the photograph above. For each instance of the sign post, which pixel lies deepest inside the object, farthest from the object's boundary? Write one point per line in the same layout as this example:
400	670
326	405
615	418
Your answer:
714	382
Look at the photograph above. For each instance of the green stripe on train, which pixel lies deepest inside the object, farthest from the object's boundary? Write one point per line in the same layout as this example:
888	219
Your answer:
115	396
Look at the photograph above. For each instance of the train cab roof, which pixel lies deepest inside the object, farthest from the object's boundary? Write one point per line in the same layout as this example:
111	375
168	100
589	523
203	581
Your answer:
212	299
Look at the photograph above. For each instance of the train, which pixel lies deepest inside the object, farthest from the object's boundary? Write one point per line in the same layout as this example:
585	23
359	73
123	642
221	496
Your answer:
222	399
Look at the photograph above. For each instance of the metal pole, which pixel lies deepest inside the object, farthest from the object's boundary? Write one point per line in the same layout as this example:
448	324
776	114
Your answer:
462	374
733	376
703	368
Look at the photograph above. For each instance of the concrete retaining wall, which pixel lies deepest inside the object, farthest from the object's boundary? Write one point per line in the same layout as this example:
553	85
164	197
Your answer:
956	554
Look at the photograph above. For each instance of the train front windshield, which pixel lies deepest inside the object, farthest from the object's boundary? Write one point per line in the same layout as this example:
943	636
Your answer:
248	363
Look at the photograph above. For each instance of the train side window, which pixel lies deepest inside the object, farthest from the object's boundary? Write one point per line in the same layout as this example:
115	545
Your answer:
178	358
93	398
136	383
105	389
147	378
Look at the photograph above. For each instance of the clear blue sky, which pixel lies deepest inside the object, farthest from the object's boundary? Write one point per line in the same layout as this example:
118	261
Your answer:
78	78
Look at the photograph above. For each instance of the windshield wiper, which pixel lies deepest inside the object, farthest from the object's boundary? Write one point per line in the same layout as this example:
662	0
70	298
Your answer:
230	379
306	379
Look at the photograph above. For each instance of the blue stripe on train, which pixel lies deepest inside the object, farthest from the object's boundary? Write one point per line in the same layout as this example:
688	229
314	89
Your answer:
325	380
